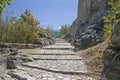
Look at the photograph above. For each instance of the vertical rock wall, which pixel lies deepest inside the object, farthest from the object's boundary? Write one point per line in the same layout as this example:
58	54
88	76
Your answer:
87	30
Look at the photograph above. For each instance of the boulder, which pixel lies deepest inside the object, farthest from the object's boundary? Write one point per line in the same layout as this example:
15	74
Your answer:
11	63
44	34
45	39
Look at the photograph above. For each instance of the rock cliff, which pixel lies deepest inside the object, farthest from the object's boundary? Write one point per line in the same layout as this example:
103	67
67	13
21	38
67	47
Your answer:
111	56
87	30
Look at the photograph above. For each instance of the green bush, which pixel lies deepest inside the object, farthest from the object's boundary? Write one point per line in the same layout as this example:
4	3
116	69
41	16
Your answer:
20	30
113	11
49	30
63	30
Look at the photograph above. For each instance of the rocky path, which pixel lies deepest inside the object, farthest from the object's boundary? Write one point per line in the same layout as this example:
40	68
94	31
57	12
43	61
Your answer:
55	62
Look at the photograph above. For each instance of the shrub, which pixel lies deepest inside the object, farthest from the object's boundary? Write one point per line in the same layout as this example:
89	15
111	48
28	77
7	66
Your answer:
63	30
113	11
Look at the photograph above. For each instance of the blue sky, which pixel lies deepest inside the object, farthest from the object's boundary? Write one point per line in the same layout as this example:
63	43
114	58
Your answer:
49	12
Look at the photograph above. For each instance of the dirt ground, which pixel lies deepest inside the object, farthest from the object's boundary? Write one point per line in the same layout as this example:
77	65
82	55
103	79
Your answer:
93	57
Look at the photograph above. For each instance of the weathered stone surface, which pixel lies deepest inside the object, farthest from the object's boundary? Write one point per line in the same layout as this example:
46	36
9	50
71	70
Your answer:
2	66
11	63
45	39
4	52
65	66
10	58
14	60
48	75
111	56
21	75
62	65
60	55
24	46
56	64
3	45
86	30
55	57
55	47
52	52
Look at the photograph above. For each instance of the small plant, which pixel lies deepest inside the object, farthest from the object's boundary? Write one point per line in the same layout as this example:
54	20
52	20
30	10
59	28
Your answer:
113	11
107	27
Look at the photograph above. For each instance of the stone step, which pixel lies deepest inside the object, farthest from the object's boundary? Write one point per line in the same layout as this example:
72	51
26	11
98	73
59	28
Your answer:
61	41
55	62
59	65
55	47
46	74
55	57
52	52
62	44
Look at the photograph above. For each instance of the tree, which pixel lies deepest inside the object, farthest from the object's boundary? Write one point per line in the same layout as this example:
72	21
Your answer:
29	19
63	30
33	24
18	31
3	4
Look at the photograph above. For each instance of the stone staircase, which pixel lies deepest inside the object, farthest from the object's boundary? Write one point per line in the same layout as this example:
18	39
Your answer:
54	62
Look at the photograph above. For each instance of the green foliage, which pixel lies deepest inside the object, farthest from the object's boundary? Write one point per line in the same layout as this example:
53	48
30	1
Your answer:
49	30
29	19
114	10
63	30
3	4
22	30
18	31
107	30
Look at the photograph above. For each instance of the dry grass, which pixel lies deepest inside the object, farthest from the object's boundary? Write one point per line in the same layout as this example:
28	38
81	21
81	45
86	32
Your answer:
93	57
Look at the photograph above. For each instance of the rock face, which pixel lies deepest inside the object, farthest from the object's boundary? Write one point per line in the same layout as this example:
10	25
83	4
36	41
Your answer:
111	56
87	30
